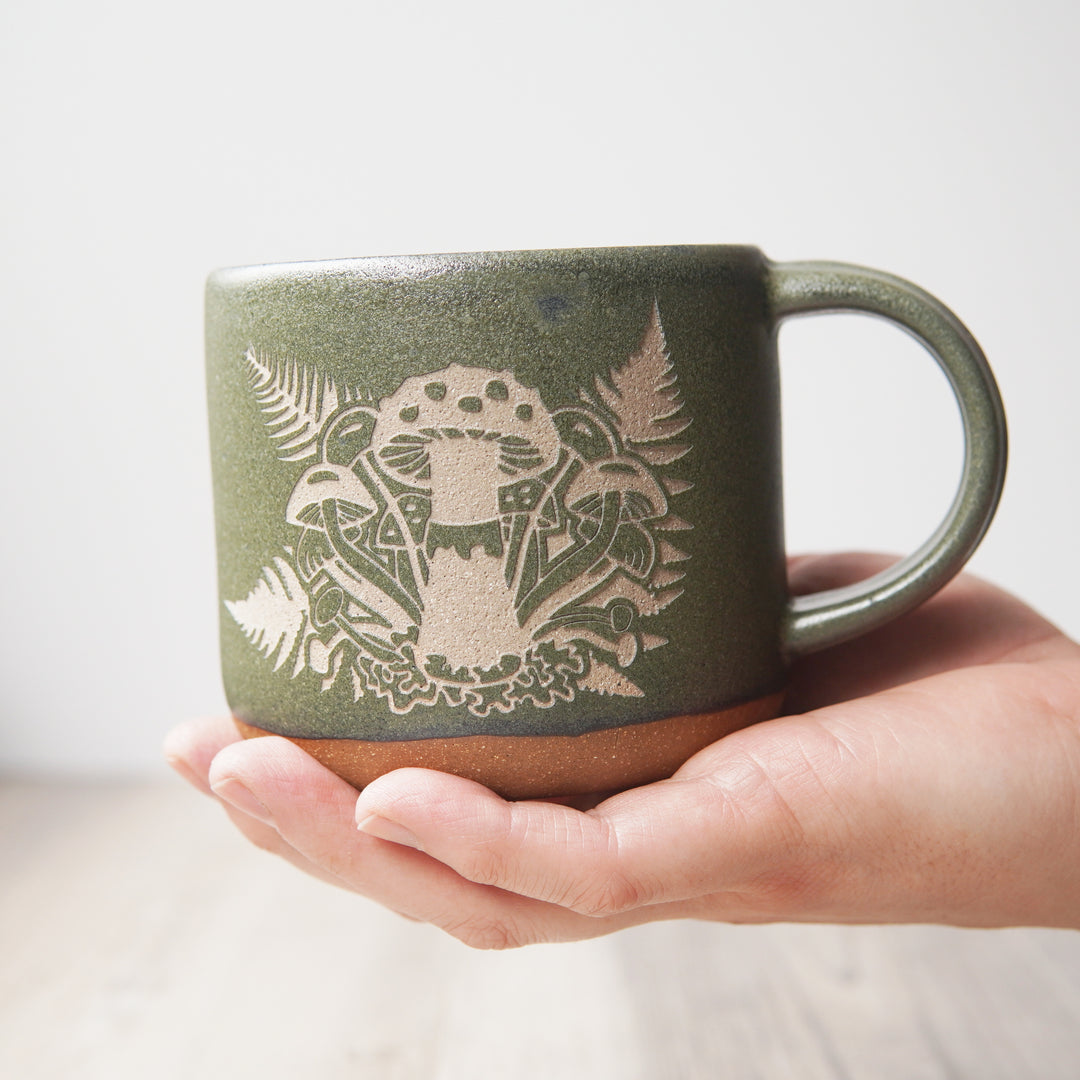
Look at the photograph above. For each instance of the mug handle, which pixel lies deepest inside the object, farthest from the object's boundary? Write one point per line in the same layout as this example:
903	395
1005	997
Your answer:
827	618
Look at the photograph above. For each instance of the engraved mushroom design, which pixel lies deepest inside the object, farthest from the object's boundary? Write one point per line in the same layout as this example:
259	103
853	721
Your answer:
460	542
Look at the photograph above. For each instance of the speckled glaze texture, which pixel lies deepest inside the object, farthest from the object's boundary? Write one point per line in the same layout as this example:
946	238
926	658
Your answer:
518	515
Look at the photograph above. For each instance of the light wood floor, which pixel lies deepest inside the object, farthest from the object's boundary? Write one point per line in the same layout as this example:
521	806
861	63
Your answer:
140	937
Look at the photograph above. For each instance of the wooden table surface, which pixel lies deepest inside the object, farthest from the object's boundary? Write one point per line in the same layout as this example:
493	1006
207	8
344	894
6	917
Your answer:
141	937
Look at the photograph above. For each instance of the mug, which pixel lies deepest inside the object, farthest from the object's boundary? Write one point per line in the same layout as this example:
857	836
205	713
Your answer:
518	515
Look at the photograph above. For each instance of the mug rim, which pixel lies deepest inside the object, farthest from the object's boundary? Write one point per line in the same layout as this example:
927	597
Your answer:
465	259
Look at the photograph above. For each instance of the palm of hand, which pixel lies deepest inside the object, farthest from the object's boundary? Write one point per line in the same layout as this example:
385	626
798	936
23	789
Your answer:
927	772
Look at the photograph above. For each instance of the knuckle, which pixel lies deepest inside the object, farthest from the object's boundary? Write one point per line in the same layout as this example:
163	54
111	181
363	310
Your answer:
800	888
484	865
484	932
610	888
612	894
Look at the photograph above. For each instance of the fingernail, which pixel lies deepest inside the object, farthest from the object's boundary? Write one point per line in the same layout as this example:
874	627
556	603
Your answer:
233	792
374	825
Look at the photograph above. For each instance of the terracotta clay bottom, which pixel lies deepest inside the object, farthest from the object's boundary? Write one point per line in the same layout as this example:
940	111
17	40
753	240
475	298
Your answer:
538	766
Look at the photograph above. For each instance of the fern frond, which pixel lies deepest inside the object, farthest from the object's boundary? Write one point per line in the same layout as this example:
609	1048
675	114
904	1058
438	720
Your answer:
602	678
643	397
274	615
295	402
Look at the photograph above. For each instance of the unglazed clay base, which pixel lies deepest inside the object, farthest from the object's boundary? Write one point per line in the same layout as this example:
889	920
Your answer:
529	767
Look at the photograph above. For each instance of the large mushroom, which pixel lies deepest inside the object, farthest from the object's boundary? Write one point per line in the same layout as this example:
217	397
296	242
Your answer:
464	432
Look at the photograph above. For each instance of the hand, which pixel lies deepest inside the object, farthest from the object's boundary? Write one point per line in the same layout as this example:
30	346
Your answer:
928	772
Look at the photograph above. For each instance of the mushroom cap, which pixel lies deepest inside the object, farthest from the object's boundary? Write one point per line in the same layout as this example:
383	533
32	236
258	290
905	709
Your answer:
624	473
460	402
326	481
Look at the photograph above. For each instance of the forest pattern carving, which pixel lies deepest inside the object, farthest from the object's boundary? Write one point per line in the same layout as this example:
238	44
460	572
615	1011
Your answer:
458	542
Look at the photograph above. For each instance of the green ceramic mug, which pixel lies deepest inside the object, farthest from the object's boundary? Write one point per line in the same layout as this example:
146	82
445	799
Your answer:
518	515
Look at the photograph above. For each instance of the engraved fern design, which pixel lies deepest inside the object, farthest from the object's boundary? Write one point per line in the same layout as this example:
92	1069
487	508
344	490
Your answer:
295	400
644	399
274	614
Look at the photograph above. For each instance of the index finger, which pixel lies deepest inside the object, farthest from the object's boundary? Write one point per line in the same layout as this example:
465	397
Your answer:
671	841
191	746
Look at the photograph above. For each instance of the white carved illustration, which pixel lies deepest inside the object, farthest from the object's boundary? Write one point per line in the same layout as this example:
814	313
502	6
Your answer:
275	612
295	401
459	542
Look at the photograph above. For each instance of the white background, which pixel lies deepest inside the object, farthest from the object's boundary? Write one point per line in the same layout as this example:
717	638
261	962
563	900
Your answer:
141	146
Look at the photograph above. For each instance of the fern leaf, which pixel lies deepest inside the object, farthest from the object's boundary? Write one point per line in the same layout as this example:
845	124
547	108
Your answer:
274	615
602	678
669	553
662	576
294	400
643	396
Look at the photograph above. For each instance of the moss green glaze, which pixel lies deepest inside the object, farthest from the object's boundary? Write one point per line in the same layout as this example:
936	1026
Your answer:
531	493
